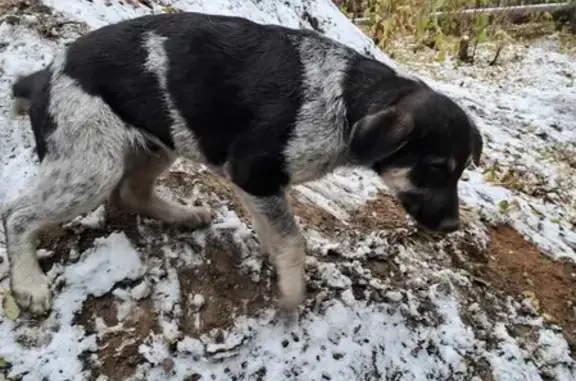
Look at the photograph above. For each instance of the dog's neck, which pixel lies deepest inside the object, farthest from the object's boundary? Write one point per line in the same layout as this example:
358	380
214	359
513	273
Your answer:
372	86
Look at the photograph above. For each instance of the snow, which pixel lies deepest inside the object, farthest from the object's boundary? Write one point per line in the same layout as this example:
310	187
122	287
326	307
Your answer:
410	331
51	350
339	344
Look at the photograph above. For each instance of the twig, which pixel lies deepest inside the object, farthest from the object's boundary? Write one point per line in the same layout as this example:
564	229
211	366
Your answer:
493	62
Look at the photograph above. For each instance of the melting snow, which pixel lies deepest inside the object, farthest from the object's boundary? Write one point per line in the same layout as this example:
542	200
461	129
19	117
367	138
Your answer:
356	327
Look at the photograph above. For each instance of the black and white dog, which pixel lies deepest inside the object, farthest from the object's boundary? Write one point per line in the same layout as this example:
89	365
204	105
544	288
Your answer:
262	105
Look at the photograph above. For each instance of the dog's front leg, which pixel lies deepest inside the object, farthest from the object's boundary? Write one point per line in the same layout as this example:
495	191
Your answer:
280	234
259	225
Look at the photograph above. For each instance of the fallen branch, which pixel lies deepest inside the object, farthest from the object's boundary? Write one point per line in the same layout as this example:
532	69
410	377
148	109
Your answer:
513	13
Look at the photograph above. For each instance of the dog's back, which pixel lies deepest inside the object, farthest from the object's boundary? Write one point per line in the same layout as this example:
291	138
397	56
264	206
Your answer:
223	75
218	71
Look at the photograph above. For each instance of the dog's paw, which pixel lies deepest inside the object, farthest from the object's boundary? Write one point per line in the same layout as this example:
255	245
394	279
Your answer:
32	292
195	217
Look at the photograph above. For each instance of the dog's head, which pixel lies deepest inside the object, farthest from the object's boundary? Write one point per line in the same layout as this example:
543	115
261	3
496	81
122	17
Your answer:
420	146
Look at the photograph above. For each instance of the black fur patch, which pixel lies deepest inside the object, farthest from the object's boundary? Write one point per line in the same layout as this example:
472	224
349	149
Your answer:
109	63
36	88
236	83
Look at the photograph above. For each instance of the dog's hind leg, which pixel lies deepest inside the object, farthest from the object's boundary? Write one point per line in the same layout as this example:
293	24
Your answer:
72	179
136	193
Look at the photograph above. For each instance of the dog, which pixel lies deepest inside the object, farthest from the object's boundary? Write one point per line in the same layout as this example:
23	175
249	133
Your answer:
263	106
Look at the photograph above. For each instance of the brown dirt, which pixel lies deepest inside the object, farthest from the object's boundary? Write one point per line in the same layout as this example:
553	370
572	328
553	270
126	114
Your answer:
116	364
182	182
118	350
516	266
513	266
315	217
23	7
61	240
386	270
226	291
510	264
382	212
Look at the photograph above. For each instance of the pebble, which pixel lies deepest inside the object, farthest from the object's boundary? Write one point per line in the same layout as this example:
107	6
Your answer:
141	291
375	296
311	262
375	283
393	296
168	365
198	301
348	297
474	307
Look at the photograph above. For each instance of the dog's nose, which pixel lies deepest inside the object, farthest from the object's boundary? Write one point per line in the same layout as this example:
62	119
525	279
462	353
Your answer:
448	225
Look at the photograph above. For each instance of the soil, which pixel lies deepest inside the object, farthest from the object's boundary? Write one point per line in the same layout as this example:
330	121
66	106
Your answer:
182	182
61	240
383	212
118	352
226	291
515	266
510	266
19	7
217	191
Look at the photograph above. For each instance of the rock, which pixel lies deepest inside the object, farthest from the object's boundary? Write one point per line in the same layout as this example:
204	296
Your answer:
198	302
393	296
141	291
311	262
168	366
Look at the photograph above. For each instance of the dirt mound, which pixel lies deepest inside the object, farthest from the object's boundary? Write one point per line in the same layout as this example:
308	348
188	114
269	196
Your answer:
518	268
512	266
383	212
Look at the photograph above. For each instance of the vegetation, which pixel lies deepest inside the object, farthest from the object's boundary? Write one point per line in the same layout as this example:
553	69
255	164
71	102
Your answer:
441	25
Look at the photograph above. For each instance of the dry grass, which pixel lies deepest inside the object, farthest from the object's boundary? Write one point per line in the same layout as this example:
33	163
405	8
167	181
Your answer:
388	21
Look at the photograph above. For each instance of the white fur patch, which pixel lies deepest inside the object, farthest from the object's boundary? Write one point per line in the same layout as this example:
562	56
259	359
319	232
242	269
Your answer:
317	145
76	112
185	142
397	179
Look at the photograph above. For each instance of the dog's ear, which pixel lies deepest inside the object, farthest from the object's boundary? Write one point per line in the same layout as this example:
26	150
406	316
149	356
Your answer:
477	145
379	135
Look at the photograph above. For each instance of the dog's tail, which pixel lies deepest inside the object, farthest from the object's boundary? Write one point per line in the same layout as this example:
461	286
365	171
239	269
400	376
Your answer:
23	89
